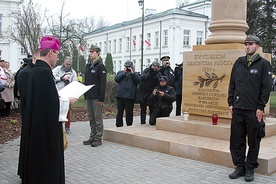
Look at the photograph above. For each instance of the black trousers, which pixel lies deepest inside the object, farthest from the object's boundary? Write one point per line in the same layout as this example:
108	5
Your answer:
162	111
244	123
124	104
178	105
143	109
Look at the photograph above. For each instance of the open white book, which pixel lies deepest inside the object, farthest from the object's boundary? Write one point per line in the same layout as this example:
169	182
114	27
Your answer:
74	89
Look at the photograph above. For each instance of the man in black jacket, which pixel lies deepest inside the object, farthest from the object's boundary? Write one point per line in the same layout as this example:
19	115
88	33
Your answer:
162	98
95	73
126	93
166	70
178	87
149	80
248	93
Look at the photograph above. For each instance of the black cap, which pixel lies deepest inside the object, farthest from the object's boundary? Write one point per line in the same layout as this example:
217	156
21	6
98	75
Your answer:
165	58
128	64
163	78
95	48
252	38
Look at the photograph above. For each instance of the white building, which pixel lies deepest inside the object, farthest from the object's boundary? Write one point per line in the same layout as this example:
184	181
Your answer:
9	51
167	33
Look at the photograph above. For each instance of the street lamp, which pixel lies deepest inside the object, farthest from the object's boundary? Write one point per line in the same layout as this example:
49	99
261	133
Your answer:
141	3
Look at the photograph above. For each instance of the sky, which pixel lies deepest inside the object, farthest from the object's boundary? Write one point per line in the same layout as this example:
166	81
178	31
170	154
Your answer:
113	11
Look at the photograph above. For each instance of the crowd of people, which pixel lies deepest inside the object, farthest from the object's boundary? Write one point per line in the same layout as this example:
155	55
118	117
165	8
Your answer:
41	154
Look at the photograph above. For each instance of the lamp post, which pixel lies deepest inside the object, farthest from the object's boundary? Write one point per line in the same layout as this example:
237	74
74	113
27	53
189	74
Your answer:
141	3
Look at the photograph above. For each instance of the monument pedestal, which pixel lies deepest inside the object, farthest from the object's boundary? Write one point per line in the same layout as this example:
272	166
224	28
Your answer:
193	139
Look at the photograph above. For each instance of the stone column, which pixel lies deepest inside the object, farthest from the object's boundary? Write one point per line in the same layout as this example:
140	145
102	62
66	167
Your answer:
228	23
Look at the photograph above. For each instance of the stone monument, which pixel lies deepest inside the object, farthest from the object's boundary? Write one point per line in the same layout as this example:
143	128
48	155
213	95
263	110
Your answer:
208	67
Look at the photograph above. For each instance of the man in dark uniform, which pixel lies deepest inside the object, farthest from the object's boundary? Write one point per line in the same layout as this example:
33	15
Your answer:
178	87
248	93
43	150
162	98
149	80
166	70
95	73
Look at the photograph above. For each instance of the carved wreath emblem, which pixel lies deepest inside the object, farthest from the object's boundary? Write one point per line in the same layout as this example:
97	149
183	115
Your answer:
210	78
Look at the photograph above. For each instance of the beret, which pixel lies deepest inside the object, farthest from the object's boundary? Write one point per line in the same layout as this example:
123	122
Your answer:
252	38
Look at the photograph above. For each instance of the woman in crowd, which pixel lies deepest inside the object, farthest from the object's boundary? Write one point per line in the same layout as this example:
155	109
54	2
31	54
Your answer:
7	94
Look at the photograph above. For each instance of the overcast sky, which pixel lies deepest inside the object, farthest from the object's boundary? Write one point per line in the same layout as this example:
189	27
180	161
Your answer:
113	11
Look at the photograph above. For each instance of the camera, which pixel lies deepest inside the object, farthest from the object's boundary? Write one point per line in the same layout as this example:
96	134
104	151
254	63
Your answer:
167	62
128	69
66	82
157	92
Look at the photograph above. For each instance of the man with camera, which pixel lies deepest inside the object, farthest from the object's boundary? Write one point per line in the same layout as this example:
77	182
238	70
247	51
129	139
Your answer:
149	80
65	74
126	93
166	70
161	98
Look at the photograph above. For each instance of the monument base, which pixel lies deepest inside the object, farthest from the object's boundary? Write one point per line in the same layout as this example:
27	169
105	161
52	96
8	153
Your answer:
201	140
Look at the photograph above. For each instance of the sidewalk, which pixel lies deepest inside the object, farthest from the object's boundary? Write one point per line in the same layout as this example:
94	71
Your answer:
119	164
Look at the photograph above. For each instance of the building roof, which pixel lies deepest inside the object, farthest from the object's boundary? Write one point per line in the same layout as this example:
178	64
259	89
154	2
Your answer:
195	3
175	11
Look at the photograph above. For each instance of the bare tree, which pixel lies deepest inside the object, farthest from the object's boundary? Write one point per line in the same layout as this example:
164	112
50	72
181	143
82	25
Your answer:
26	29
89	24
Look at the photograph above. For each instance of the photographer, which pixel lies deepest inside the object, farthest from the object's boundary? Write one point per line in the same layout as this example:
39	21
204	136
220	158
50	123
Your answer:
166	70
149	80
178	86
65	74
161	98
126	93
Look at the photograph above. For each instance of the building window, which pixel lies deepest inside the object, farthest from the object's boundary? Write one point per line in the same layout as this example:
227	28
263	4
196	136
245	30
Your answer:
147	41
127	43
148	62
105	49
120	65
114	45
199	37
109	46
134	63
114	65
120	45
1	23
156	43
134	42
166	38
100	45
186	37
140	42
22	51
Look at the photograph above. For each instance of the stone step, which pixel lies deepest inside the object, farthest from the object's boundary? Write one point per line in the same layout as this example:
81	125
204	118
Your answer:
202	128
188	146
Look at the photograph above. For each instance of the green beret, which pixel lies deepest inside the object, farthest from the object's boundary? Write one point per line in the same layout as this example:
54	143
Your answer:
252	38
95	48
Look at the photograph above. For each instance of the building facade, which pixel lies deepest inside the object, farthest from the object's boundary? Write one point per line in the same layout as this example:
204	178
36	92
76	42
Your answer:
9	51
167	33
